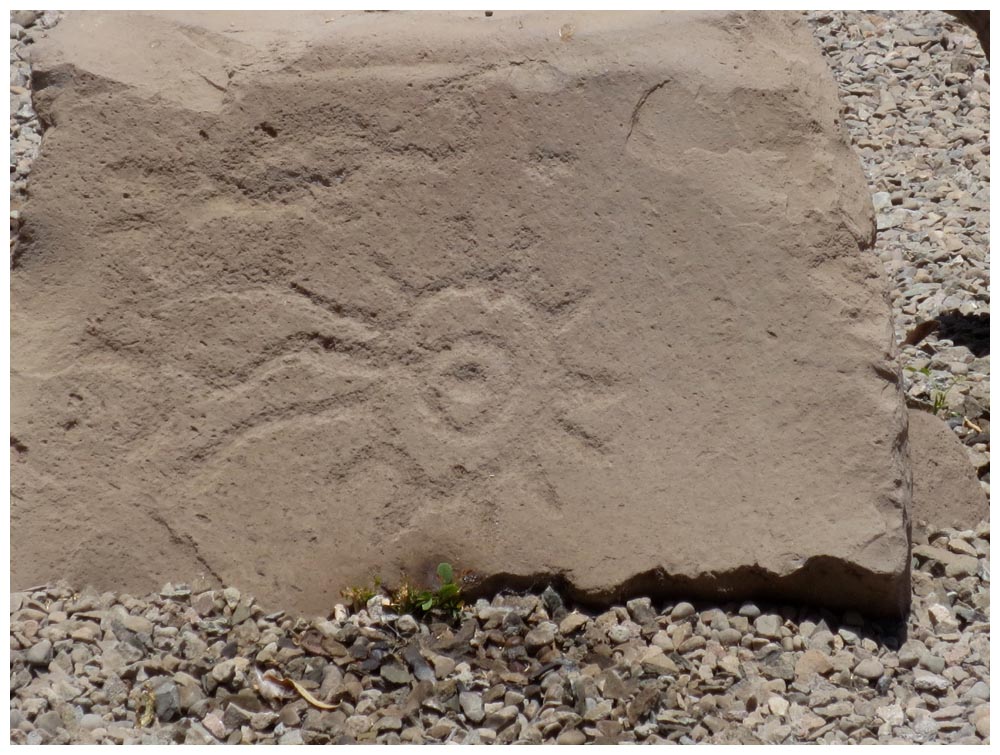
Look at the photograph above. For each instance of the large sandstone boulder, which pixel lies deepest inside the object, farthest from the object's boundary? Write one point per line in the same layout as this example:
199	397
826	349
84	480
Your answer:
571	298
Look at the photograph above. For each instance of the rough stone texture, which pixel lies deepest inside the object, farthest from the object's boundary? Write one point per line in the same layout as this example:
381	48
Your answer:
945	486
536	297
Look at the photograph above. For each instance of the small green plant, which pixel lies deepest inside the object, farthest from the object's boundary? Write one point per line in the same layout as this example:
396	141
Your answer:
938	401
358	596
446	599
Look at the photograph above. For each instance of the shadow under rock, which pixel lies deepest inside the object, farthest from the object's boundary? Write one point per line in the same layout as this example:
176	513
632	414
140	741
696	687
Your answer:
971	331
887	633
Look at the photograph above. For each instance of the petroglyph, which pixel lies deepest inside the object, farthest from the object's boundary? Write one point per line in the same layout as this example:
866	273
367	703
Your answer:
337	301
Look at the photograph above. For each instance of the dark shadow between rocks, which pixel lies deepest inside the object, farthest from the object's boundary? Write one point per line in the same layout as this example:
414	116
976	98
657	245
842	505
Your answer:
820	582
886	632
971	331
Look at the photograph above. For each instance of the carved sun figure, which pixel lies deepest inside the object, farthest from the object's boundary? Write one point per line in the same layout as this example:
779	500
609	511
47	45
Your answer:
316	429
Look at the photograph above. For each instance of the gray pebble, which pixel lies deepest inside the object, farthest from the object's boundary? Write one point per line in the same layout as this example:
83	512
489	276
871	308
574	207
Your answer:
542	635
870	668
932	663
24	18
682	611
39	654
641	610
768	625
925	681
472	706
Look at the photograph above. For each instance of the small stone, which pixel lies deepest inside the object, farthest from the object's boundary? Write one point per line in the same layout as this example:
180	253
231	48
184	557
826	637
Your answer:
956	565
942	618
779	666
979	691
932	663
750	610
232	597
882	200
848	635
413	734
598	711
571	737
49	722
39	654
375	607
138	624
472	706
663	640
870	668
442	729
696	642
553	603
88	632
891	714
812	662
224	671
955	545
925	727
836	710
357	725
263	720
89	721
501	719
641	610
389	723
291	737
443	665
541	636
213	722
242	611
395	672
925	681
619	634
289	716
655	661
572	622
731	636
778	705
982	722
167	700
909	655
730	664
24	18
407	624
769	626
682	611
235	716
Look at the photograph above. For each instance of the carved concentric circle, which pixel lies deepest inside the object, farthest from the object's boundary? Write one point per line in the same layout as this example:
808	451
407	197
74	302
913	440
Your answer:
477	374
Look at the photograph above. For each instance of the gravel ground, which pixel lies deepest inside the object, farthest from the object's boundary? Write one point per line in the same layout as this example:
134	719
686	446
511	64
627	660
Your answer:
202	666
197	665
25	130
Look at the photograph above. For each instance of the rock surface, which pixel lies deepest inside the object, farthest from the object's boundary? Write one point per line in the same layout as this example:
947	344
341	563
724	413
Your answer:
576	295
945	486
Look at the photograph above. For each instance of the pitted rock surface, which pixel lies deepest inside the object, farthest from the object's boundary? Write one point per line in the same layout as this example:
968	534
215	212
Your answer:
585	297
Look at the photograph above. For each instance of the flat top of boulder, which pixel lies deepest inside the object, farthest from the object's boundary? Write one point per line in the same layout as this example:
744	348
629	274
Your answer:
558	297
